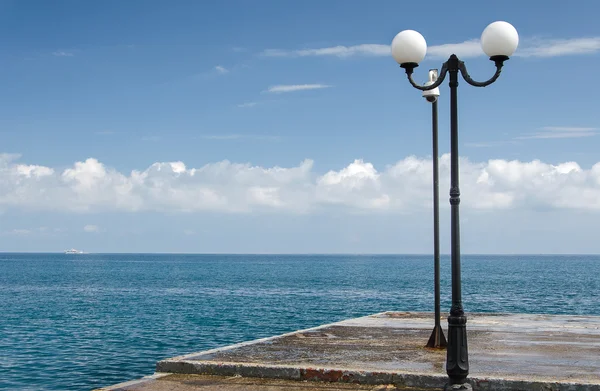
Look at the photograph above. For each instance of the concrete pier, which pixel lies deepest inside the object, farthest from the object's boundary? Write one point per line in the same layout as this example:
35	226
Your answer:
386	352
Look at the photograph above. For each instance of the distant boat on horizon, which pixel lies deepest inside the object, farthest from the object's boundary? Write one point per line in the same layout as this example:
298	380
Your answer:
73	251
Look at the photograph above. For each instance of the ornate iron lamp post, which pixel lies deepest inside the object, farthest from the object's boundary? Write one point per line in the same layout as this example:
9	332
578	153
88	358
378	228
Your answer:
499	40
437	339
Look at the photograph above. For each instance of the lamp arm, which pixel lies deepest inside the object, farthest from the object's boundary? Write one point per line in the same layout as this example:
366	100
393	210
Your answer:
498	60
438	82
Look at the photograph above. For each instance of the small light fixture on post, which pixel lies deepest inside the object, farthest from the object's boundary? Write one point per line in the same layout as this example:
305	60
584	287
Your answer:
499	41
437	340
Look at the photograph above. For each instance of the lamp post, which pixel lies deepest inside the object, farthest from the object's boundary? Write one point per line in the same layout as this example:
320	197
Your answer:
499	40
437	339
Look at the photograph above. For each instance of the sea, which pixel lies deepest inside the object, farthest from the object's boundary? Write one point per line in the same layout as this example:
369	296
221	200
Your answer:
82	321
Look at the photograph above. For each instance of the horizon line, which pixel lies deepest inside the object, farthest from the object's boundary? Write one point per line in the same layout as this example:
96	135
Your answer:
299	254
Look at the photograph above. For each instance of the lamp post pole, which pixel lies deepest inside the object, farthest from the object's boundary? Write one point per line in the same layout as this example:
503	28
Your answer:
499	41
437	340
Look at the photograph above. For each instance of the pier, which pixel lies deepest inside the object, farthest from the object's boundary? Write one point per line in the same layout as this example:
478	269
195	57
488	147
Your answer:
386	351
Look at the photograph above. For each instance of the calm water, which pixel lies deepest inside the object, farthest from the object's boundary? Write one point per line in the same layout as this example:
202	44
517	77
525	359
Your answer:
75	322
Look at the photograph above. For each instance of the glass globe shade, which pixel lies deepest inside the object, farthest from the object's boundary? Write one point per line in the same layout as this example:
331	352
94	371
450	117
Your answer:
499	39
409	46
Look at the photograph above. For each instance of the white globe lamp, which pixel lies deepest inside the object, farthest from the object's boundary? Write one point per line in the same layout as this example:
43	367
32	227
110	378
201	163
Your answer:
499	39
409	47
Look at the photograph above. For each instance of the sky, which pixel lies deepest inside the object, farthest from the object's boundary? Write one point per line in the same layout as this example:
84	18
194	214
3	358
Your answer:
287	127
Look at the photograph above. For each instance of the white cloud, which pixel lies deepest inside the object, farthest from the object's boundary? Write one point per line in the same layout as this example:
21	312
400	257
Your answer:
247	104
33	171
529	47
62	53
221	136
222	70
91	228
233	137
470	48
296	87
569	129
90	186
339	51
559	47
549	132
356	185
488	144
466	49
532	47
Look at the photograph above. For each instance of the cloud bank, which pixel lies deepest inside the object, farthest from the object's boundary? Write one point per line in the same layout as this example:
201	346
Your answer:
404	187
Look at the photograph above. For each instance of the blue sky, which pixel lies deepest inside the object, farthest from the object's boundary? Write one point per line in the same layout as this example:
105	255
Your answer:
300	125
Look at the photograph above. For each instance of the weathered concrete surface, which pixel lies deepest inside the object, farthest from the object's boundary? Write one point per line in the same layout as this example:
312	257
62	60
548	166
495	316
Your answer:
177	382
507	352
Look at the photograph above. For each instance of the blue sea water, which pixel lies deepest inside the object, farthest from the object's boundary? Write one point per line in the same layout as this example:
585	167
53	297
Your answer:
76	322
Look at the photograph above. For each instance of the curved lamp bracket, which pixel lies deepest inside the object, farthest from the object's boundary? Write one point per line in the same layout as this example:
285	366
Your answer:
454	64
409	68
498	60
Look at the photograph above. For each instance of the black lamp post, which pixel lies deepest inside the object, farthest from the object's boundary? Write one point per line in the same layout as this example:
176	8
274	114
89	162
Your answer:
499	40
437	339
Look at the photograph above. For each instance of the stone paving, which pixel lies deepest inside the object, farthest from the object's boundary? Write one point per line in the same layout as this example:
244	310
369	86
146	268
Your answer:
176	382
506	352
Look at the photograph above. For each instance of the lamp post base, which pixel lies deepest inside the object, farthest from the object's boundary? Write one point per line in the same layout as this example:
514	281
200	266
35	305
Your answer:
437	340
458	387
